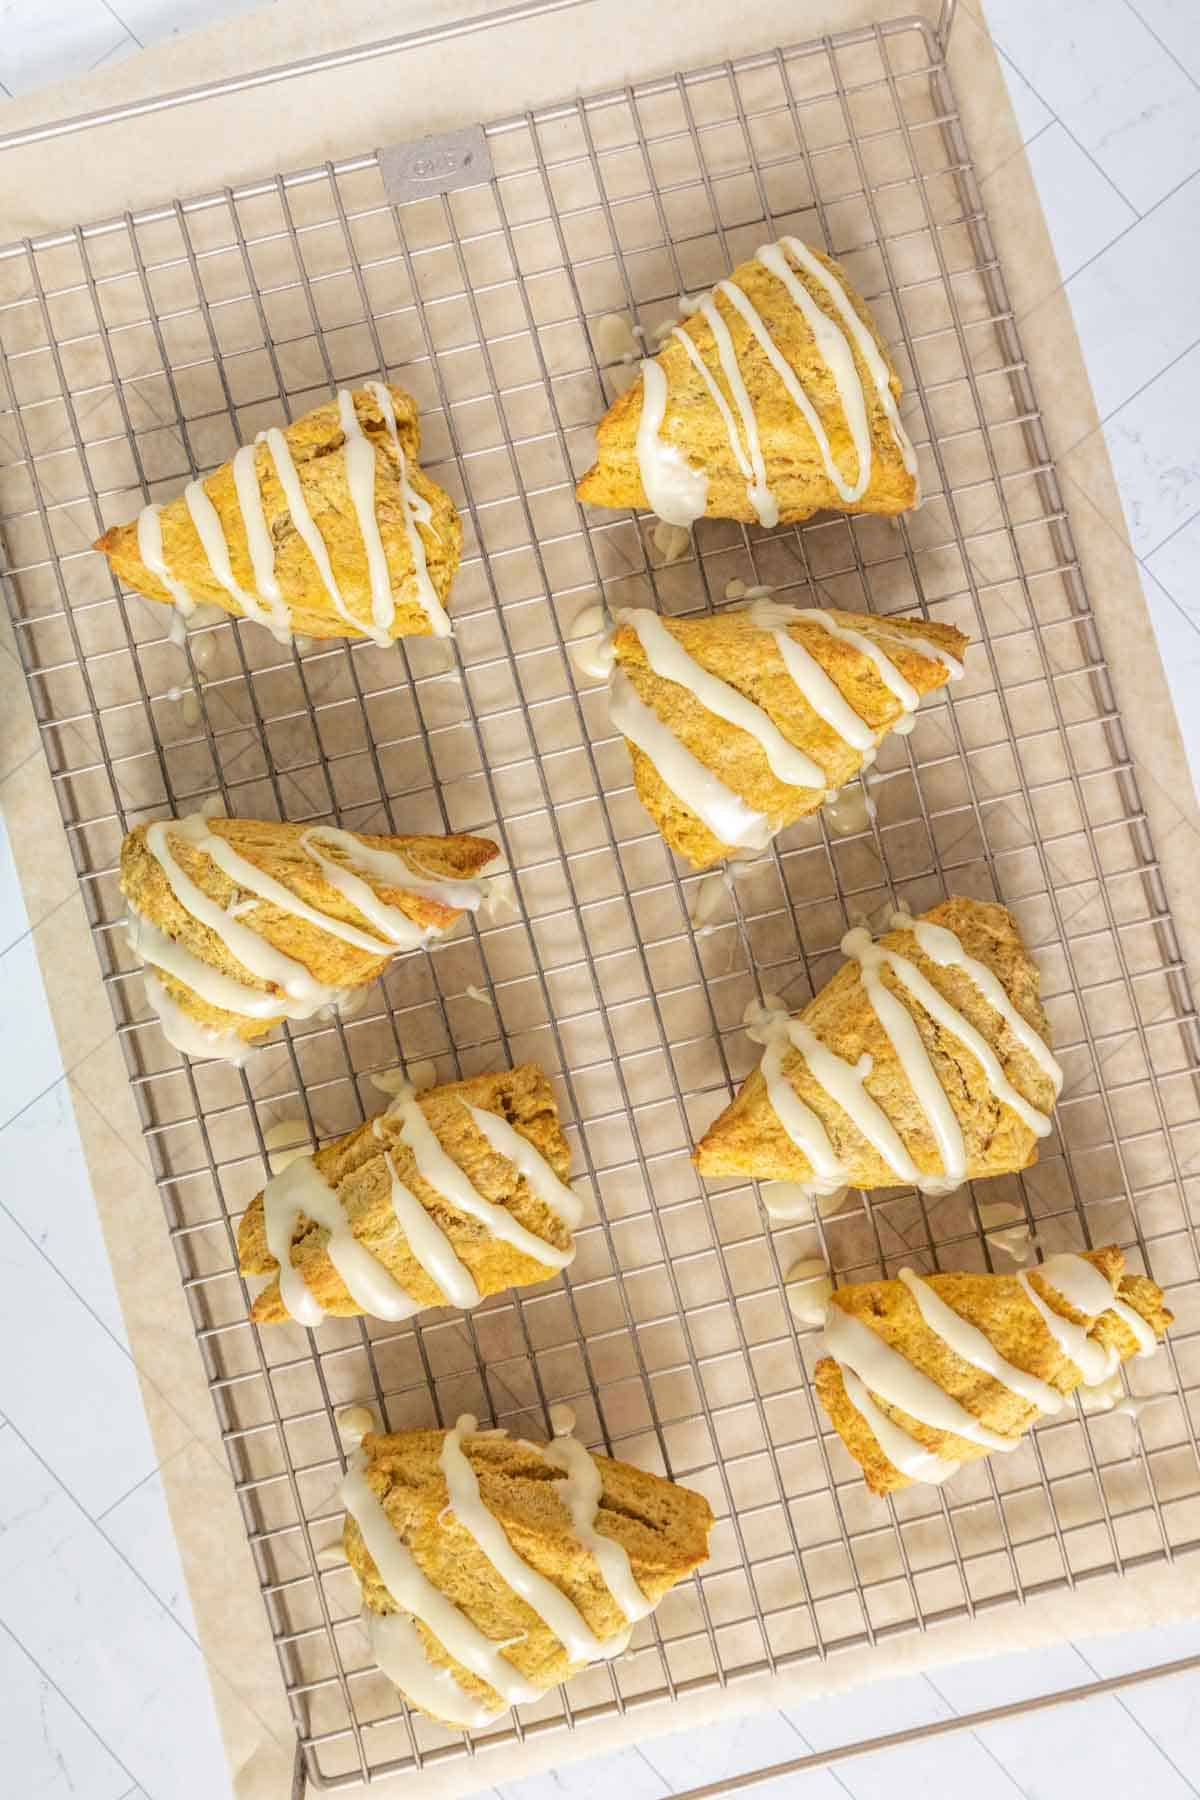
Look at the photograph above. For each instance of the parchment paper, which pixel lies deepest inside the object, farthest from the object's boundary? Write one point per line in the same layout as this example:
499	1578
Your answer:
299	124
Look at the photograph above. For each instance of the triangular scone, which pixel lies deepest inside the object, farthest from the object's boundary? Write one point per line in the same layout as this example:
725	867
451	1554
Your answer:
741	722
439	1525
774	400
479	1224
244	922
925	1373
923	1062
327	527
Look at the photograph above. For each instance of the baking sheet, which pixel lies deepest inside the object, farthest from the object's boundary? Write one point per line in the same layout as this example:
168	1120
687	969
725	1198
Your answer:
1005	171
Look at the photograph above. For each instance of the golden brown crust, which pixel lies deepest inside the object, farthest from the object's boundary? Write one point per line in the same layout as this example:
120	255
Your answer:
748	1139
999	1307
663	1528
317	444
730	645
274	847
354	1166
796	473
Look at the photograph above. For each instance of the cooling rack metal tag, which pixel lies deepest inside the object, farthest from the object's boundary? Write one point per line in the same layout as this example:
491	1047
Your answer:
137	351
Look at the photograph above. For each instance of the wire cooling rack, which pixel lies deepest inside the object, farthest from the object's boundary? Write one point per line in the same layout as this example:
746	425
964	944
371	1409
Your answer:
139	350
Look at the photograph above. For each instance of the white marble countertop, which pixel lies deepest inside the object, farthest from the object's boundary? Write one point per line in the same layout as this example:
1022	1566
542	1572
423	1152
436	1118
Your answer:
103	1692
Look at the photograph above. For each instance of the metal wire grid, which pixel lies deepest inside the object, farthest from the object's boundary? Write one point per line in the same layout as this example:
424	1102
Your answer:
138	351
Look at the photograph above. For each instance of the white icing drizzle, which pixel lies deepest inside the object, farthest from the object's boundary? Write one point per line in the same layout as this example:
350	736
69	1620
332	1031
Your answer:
1094	1362
416	510
211	985
839	360
150	549
306	525
726	815
256	881
580	1494
760	495
529	1162
901	1031
818	688
674	490
302	1189
303	994
899	1446
942	946
894	1379
401	932
359	452
412	1589
552	1606
669	660
974	1347
207	521
443	1174
801	1123
397	1648
260	542
719	401
1082	1286
188	1034
889	674
844	1083
394	870
912	640
863	338
430	1246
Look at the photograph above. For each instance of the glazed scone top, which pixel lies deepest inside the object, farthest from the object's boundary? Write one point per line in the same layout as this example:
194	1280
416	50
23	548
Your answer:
773	400
492	1567
924	1060
328	528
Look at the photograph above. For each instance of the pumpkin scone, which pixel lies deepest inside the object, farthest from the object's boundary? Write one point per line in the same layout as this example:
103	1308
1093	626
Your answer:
774	400
452	1194
493	1568
244	922
924	1061
327	527
927	1372
741	722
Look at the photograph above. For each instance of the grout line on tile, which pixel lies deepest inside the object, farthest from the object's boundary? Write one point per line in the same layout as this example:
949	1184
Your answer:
67	1702
1162	44
1148	214
1181	610
983	1745
1145	555
99	1518
1166	367
1153	1742
1057	119
125	26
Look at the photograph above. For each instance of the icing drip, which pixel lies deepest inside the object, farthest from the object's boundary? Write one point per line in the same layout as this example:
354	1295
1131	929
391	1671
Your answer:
888	673
187	1034
724	813
551	1605
890	1375
674	490
397	1648
975	1348
256	881
417	510
802	1124
428	1242
211	985
668	659
1083	1286
844	1083
412	1589
899	1446
150	549
399	931
435	1167
719	401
